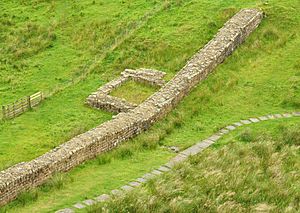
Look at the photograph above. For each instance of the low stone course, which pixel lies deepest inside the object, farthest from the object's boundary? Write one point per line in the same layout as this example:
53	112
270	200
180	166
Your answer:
156	172
141	180
224	131
245	122
108	135
231	127
89	202
287	115
134	184
67	210
163	169
148	176
254	120
102	100
102	198
214	137
127	188
271	116
116	192
79	206
237	124
278	116
263	118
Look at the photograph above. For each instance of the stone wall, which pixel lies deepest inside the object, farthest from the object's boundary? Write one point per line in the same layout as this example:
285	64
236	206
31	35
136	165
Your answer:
102	100
126	125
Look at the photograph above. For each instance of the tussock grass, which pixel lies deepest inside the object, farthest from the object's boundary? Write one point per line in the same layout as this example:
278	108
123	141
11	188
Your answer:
246	135
29	40
56	182
237	177
124	152
291	136
26	197
104	159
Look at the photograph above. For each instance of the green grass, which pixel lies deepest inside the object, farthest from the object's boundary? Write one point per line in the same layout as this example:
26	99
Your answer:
101	175
263	69
253	175
47	44
134	91
55	69
261	77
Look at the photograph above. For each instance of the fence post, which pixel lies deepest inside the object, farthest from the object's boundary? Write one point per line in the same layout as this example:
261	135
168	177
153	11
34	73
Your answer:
20	106
8	111
3	112
14	109
29	102
23	101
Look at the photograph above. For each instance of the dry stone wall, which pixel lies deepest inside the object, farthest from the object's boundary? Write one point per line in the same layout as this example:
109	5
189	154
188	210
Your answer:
153	77
126	125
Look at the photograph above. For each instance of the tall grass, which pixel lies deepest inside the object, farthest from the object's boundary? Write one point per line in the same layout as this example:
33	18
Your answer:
29	40
239	177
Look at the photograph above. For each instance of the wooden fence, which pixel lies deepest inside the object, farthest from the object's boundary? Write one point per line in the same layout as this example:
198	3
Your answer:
20	106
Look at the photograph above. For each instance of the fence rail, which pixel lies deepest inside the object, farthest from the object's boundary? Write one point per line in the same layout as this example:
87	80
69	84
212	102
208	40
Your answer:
20	106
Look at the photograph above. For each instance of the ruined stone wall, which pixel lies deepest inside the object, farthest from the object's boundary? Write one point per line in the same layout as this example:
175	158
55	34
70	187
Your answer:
125	125
102	100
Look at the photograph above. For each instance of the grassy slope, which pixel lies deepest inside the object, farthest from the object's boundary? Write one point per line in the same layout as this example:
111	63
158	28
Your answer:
262	76
46	44
256	171
61	116
165	43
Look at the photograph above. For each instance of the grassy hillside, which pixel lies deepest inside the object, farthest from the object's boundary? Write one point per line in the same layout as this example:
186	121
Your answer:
52	46
256	171
261	77
263	69
46	45
134	92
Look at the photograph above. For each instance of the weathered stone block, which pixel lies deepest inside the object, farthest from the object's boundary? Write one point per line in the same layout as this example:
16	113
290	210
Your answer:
102	198
79	206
